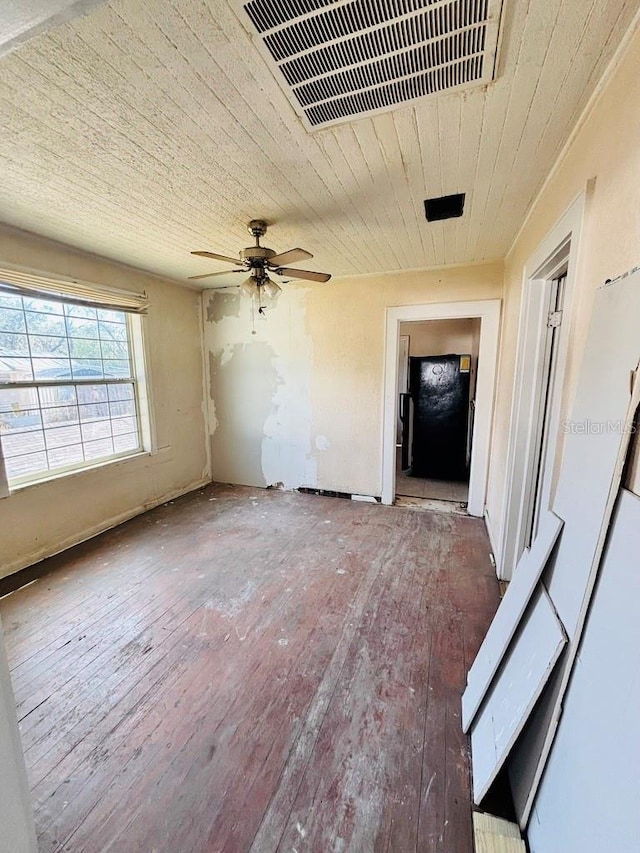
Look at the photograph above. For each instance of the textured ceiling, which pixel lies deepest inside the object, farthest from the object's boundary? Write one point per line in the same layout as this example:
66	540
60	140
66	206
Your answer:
149	128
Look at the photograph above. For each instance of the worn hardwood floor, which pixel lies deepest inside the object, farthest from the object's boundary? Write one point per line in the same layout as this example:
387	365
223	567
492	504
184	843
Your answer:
245	670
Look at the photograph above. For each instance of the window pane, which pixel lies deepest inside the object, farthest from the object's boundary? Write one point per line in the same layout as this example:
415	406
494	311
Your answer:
80	328
108	316
19	443
92	430
87	368
10	300
51	368
82	311
59	416
21	466
115	349
48	426
94	411
18	422
43	305
12	321
117	369
121	391
12	344
45	324
129	441
96	449
18	400
113	331
85	348
62	436
15	369
57	395
60	457
46	345
93	393
122	407
122	426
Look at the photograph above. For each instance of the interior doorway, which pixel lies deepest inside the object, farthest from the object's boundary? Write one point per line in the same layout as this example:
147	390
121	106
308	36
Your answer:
487	312
437	370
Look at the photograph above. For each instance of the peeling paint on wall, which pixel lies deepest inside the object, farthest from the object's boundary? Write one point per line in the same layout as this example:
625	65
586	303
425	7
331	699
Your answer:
242	388
322	443
260	392
221	305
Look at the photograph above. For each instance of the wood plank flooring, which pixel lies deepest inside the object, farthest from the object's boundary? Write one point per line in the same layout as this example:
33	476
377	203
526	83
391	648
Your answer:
246	670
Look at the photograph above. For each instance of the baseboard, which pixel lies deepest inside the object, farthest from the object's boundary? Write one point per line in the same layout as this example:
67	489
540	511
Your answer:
104	525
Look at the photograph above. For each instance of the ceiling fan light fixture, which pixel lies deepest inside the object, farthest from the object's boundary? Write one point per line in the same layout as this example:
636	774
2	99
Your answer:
258	261
249	287
271	289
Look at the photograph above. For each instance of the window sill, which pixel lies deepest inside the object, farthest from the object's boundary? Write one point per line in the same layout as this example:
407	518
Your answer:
78	472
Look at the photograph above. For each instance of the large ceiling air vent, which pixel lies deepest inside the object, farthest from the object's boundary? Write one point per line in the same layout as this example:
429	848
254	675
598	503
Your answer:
345	59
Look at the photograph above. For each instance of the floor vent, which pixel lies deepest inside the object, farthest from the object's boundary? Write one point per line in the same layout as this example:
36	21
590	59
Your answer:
345	59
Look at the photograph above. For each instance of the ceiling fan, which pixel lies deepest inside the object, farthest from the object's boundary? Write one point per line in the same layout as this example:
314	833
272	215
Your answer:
259	261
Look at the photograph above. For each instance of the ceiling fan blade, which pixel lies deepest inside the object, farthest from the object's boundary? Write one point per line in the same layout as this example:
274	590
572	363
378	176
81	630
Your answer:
217	257
290	257
211	274
308	275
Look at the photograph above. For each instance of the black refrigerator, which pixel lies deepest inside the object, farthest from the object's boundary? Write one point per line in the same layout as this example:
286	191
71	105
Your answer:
439	389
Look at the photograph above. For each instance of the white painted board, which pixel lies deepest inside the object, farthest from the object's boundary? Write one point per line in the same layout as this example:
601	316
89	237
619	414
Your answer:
594	458
524	672
508	616
524	760
588	797
596	438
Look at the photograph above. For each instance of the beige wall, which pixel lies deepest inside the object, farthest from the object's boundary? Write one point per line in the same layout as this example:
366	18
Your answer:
441	337
39	520
606	148
300	402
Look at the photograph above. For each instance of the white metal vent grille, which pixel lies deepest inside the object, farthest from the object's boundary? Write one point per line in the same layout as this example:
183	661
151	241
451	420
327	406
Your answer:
344	59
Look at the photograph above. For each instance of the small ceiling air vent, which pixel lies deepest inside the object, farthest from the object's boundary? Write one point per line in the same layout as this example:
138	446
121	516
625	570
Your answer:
445	207
344	59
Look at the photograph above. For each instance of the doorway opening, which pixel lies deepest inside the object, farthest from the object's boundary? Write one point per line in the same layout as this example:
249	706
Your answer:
437	370
487	314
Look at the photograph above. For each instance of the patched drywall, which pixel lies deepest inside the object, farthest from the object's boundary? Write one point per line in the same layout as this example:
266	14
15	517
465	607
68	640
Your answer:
236	376
221	305
260	390
318	359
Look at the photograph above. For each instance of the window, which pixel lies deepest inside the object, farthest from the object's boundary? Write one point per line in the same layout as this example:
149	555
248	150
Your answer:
68	385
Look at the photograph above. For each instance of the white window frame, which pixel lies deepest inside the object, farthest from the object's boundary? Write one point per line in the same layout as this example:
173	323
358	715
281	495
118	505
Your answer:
134	307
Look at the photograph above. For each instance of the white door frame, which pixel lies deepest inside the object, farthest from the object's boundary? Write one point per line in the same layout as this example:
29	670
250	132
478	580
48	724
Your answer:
488	311
560	247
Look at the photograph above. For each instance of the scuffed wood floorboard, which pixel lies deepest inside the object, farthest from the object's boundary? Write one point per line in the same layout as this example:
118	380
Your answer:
247	671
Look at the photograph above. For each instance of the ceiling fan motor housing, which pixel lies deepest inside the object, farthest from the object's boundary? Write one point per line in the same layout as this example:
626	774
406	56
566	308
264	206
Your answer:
256	255
257	227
